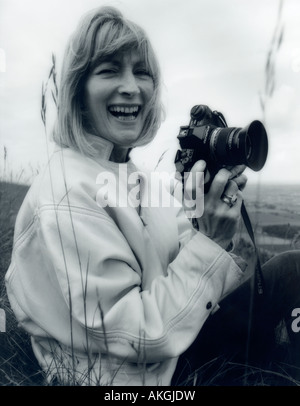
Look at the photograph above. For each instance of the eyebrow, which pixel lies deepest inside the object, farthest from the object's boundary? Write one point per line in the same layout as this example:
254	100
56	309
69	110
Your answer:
114	60
98	61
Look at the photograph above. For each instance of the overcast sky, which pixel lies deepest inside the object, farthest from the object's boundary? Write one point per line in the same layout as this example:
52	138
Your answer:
211	52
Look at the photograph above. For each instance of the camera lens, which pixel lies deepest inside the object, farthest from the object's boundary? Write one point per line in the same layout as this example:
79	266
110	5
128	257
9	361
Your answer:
256	149
248	147
240	146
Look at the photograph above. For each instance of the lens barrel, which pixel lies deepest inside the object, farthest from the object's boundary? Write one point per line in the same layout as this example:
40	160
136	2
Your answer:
239	146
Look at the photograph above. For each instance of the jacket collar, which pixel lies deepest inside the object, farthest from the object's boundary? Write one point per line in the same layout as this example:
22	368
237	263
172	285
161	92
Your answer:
102	146
104	150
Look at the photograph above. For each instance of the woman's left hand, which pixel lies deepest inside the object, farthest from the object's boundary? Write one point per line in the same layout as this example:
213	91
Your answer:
238	176
220	219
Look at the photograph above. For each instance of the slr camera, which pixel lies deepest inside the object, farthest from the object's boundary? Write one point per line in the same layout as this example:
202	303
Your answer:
209	138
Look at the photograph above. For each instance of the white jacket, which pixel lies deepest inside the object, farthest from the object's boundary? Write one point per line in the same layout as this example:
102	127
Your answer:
110	296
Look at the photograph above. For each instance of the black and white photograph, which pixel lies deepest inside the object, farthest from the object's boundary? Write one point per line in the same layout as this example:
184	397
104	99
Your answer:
150	195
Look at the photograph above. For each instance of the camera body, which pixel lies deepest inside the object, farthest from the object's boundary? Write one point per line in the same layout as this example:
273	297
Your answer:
207	137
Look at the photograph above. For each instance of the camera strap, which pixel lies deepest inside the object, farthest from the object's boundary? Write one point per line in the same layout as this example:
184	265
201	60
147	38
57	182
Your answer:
258	275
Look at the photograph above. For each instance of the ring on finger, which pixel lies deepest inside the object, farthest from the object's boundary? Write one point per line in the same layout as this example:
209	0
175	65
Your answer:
230	200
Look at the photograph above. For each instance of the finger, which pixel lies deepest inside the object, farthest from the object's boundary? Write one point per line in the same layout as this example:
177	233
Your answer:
190	180
219	182
199	166
192	177
235	207
231	188
237	170
241	181
239	201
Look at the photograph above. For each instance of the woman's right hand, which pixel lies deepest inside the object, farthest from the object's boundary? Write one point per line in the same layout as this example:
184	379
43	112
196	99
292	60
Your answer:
220	221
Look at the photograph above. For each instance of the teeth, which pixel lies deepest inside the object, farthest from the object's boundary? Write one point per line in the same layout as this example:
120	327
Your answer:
126	110
126	118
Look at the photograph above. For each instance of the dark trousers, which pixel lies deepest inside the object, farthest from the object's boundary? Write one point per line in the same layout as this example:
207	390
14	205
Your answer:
251	339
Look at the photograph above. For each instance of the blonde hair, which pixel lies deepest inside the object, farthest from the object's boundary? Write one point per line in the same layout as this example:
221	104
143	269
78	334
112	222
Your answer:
101	33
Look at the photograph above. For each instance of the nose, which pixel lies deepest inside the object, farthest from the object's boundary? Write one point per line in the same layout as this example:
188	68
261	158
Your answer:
128	84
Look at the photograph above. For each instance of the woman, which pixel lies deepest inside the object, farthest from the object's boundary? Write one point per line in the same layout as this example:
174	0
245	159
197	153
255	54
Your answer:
111	293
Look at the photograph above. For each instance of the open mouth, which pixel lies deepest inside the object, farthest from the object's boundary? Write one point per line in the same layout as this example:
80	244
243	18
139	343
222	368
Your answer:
125	113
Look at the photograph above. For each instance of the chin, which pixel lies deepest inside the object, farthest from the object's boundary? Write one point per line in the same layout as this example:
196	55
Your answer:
128	140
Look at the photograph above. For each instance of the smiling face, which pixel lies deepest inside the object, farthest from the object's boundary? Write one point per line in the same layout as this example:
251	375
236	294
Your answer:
116	96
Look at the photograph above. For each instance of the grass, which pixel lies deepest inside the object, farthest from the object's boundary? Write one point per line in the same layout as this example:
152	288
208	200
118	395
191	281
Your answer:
223	372
17	362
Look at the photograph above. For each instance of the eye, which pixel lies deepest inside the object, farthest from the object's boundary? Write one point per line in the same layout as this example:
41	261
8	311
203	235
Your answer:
106	68
142	72
106	71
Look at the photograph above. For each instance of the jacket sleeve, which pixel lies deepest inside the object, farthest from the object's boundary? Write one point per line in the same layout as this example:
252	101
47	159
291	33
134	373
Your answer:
99	278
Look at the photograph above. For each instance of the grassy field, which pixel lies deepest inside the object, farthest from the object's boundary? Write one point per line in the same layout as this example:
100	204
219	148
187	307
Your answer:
17	363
